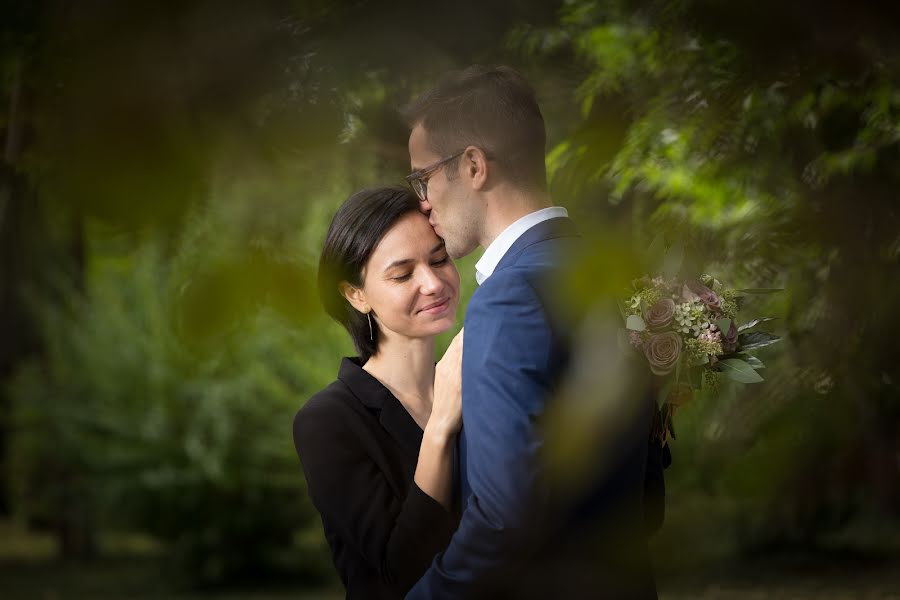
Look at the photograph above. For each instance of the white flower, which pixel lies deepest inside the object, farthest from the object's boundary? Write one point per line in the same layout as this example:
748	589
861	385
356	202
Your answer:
711	336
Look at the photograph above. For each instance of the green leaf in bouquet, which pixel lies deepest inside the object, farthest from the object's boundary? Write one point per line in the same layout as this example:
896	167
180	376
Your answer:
752	361
754	323
723	324
699	361
711	282
635	323
673	259
756	339
739	371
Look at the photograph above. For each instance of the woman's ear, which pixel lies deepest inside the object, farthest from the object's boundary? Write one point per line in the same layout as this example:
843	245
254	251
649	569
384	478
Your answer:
355	296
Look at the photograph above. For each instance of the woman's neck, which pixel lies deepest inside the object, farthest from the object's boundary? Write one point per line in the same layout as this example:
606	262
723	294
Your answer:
406	368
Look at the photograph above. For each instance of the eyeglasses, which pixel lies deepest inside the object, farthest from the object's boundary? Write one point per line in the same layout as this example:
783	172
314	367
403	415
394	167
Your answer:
418	180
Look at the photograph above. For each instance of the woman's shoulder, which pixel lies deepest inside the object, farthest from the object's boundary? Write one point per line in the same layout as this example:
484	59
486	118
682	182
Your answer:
330	403
336	392
325	418
341	410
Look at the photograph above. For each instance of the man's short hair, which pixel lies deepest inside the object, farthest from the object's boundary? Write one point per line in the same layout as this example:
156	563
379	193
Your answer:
492	108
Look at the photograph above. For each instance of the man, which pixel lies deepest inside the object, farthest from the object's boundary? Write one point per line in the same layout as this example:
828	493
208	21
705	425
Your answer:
477	147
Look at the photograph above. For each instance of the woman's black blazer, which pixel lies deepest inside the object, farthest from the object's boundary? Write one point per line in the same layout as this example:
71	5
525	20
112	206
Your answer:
359	447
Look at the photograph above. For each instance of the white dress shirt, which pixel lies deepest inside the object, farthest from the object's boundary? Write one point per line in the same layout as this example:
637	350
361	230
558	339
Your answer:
500	246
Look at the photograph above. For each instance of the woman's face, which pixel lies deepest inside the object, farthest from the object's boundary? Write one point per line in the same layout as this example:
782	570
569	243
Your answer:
410	283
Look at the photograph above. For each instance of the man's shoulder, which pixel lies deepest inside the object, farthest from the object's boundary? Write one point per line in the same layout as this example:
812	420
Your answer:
538	270
513	283
545	243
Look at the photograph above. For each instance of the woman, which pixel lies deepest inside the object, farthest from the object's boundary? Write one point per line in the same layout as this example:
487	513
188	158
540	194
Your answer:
377	445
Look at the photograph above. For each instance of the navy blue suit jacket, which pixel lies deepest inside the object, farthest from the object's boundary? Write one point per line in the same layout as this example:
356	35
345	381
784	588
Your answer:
511	538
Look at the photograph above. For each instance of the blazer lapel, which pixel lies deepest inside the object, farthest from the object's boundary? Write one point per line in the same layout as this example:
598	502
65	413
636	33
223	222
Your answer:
379	400
397	422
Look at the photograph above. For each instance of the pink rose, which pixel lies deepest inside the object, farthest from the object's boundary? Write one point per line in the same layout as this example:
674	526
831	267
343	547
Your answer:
662	351
660	314
706	295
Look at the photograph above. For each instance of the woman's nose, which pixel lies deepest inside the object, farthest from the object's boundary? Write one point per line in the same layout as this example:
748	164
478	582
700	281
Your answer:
430	283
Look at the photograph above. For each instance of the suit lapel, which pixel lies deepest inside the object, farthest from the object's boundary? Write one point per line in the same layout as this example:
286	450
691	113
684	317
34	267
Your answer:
556	227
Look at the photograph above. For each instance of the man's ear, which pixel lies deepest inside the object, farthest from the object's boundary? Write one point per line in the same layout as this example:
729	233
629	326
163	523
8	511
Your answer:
475	167
355	296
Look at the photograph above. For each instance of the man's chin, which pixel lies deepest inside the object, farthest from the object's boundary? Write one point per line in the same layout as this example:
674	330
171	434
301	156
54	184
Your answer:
456	251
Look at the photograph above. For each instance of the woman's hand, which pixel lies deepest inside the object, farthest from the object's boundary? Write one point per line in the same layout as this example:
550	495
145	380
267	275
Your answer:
434	471
446	412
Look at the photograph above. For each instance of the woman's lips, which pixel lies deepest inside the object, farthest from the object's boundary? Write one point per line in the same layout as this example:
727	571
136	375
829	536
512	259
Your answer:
437	307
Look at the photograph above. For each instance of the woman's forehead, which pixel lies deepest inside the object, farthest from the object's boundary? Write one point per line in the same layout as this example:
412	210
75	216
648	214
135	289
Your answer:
410	237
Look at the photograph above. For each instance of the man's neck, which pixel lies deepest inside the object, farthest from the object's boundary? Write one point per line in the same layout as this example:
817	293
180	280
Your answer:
507	206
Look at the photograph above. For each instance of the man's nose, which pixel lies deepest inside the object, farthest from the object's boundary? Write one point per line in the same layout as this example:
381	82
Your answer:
425	206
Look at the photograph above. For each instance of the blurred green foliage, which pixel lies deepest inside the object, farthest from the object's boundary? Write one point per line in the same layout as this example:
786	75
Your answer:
772	155
120	425
170	170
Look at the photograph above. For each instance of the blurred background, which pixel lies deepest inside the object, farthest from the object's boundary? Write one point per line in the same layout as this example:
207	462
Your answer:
168	173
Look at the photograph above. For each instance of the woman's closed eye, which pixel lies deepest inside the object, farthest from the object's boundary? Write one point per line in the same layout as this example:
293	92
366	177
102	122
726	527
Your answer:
436	263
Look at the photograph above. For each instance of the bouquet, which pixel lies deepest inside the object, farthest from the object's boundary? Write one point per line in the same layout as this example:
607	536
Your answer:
688	333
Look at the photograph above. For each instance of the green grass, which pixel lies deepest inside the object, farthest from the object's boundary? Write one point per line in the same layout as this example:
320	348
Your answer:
133	567
129	566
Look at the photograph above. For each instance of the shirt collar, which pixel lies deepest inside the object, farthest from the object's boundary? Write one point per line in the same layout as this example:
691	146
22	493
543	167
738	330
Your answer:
500	246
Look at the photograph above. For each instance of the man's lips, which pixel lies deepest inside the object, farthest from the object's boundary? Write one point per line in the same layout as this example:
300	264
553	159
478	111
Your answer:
436	306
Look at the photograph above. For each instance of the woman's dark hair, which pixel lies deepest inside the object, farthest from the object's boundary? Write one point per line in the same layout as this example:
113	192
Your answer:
355	231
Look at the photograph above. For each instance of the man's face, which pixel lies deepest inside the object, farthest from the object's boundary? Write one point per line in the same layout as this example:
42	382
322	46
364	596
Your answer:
450	204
